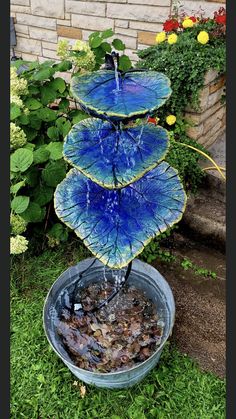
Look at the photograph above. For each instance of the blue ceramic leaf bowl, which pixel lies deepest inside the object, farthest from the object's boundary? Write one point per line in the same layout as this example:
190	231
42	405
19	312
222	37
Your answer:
114	157
117	224
138	93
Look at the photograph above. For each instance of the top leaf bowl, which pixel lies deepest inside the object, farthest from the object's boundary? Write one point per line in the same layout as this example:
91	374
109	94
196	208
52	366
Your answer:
125	96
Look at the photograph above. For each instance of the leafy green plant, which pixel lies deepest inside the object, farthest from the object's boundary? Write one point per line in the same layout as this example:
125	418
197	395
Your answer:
99	45
188	264
90	56
153	250
186	161
38	127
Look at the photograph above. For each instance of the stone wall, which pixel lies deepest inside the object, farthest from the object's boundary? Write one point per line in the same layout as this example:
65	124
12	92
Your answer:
209	122
40	24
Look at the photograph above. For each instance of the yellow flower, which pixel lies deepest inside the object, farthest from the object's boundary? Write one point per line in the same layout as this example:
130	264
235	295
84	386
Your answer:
161	36
203	37
172	39
187	23
170	119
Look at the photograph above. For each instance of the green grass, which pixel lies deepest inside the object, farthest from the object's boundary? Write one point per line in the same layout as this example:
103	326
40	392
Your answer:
42	387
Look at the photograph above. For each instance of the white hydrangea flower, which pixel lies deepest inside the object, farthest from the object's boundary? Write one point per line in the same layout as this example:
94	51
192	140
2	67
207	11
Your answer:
18	244
17	100
63	48
17	136
85	62
18	85
18	224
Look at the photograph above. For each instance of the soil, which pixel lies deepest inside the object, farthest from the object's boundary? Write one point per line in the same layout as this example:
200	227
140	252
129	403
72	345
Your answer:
199	329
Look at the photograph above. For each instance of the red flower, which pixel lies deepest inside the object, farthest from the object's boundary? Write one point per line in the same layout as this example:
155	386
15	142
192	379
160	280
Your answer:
193	18
220	16
221	19
170	25
152	120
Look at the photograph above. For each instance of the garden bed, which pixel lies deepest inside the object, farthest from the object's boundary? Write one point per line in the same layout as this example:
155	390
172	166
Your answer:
200	329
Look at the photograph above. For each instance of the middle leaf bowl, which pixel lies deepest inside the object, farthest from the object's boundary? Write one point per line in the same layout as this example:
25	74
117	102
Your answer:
113	157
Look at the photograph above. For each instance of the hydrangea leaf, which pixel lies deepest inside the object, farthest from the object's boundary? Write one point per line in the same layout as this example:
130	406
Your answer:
139	93
117	224
111	157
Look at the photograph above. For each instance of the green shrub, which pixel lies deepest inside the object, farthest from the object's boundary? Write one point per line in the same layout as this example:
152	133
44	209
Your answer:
90	56
153	249
37	130
99	45
186	161
41	115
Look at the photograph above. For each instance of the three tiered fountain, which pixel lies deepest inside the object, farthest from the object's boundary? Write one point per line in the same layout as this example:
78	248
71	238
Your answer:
109	316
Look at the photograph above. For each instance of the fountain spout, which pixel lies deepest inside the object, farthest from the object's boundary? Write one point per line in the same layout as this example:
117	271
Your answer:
112	61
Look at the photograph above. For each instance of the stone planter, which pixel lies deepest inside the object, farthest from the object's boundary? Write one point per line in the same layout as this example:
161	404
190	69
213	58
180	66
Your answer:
208	123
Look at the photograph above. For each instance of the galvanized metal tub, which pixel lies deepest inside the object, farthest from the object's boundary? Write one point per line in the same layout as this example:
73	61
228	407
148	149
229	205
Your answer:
142	276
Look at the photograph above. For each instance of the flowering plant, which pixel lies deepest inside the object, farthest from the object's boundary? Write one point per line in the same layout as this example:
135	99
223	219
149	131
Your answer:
36	133
197	45
89	56
177	24
80	54
185	50
41	115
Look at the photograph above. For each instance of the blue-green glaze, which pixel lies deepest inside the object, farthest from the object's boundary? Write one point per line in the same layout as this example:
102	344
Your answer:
116	224
112	157
140	93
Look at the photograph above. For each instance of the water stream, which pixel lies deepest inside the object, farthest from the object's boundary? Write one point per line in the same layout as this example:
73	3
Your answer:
87	196
116	75
105	282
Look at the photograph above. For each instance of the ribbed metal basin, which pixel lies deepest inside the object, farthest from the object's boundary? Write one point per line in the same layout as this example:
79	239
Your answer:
143	276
